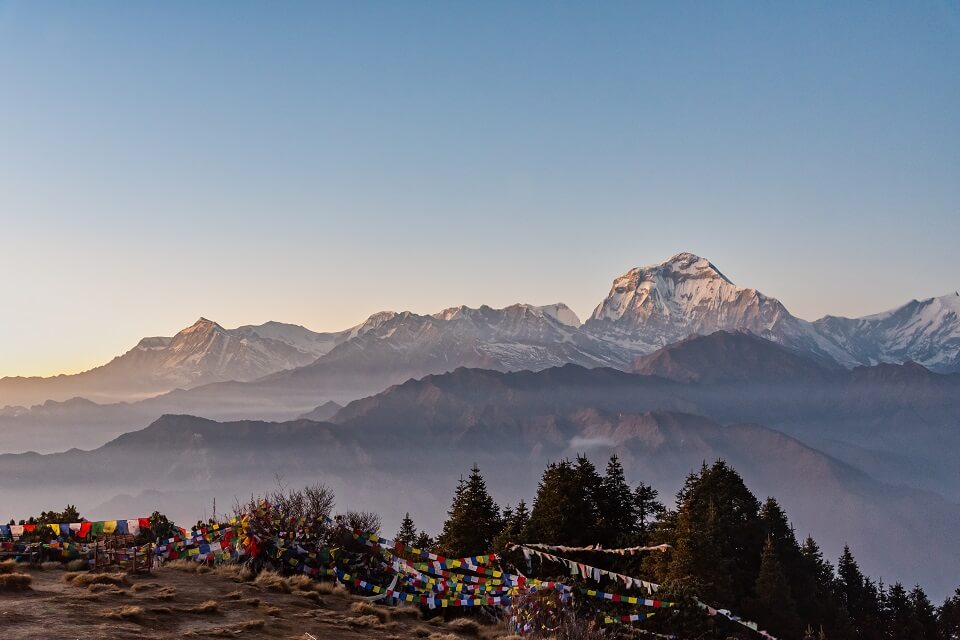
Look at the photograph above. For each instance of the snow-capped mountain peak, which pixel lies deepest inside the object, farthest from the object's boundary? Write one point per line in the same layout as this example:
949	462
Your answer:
653	306
925	331
561	313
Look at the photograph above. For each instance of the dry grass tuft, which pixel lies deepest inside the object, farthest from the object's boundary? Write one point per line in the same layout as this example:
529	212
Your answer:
129	612
443	636
86	579
310	595
304	583
326	588
466	626
231	630
233	595
8	566
106	589
250	602
183	564
272	581
166	593
228	570
15	582
406	612
161	610
421	632
367	609
270	610
51	566
208	607
78	564
145	586
365	622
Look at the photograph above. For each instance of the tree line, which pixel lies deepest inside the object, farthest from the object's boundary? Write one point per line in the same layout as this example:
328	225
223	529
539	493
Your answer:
729	549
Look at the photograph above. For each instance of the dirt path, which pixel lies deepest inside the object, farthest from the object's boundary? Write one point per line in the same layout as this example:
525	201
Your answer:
174	604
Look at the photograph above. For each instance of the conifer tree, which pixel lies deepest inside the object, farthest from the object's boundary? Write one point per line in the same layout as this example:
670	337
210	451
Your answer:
924	616
647	509
473	519
829	615
424	541
592	491
408	531
514	523
898	613
718	536
772	604
949	618
562	509
617	512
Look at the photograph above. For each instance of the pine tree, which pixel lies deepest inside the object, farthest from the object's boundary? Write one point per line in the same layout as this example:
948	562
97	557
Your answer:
898	613
617	512
424	541
592	491
830	615
924	616
514	522
474	519
860	596
408	531
801	576
563	511
772	604
949	618
717	535
647	509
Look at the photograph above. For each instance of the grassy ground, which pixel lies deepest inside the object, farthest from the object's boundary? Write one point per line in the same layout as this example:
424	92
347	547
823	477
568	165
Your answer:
180	602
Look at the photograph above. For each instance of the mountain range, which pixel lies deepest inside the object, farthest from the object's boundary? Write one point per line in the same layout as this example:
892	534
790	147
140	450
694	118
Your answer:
647	308
416	438
279	371
852	423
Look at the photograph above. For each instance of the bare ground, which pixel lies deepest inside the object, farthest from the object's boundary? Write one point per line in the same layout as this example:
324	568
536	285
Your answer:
177	604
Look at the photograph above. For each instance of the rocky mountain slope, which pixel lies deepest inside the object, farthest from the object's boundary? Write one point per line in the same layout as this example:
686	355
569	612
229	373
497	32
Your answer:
650	307
202	353
924	331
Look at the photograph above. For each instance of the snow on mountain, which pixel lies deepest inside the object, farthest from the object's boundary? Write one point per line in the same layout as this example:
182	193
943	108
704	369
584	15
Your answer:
924	331
650	307
301	338
202	353
206	352
520	336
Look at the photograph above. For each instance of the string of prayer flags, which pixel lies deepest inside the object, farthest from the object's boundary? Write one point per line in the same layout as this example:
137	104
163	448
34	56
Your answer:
586	571
82	530
616	597
663	548
633	617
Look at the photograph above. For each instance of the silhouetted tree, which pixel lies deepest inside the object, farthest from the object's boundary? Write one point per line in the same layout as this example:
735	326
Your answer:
717	534
408	530
772	604
562	509
473	519
616	509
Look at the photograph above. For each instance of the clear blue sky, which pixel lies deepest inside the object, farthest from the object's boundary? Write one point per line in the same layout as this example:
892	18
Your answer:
316	162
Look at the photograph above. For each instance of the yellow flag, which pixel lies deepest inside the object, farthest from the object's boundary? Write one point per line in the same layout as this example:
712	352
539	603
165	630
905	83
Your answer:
109	526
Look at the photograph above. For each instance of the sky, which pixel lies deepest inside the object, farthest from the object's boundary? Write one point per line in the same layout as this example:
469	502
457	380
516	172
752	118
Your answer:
315	162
